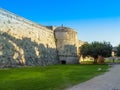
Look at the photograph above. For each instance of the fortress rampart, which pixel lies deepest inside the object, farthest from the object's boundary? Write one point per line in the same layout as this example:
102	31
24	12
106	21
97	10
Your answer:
23	42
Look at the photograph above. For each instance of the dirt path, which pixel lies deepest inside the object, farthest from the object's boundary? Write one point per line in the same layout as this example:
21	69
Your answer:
108	81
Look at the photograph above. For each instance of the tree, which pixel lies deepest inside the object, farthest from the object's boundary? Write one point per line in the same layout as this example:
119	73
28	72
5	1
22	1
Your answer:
84	49
96	49
118	50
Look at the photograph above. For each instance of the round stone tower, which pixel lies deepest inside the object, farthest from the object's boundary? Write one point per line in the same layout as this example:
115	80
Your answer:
67	45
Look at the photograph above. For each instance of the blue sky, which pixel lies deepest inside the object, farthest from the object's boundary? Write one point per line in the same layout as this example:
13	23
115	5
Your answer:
94	20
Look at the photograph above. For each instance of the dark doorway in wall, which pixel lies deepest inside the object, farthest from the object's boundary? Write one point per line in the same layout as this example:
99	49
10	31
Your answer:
63	62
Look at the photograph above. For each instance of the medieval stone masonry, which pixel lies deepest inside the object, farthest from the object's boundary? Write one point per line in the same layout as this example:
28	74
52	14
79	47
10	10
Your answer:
23	42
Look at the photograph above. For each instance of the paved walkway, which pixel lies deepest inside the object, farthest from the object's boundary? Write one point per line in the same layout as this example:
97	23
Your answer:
108	81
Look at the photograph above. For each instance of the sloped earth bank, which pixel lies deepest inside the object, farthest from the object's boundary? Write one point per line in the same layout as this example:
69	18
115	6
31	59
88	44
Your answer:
108	81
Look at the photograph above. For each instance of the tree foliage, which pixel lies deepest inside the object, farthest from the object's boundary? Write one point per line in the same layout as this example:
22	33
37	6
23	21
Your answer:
118	50
96	49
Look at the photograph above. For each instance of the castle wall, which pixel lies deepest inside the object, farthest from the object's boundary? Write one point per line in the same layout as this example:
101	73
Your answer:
66	40
67	45
23	42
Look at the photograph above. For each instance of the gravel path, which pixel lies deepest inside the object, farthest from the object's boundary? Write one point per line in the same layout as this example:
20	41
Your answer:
108	81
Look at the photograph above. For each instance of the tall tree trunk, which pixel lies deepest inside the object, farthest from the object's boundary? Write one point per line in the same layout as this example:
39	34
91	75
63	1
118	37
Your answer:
100	59
95	61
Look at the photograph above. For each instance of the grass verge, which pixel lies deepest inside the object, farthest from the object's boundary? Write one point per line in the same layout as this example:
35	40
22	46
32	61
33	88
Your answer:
56	77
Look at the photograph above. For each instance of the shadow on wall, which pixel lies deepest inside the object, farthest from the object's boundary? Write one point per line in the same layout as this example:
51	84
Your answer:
71	50
68	54
15	52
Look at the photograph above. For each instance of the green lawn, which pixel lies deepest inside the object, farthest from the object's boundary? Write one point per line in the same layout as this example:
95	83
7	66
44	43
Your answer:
111	61
106	61
56	77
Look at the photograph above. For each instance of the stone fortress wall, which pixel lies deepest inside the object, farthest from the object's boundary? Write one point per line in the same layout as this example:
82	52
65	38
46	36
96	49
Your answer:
23	42
67	45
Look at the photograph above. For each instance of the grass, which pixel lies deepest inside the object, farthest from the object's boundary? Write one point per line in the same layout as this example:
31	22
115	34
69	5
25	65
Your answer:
111	61
56	77
106	61
87	62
